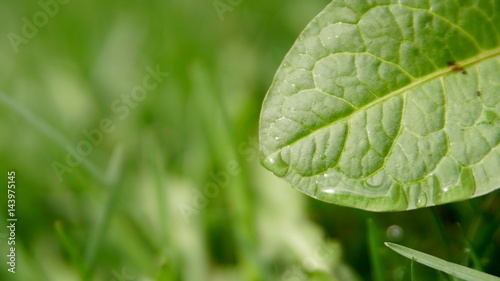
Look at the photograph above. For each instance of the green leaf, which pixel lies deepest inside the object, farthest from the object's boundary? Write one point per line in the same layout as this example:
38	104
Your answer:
452	269
389	105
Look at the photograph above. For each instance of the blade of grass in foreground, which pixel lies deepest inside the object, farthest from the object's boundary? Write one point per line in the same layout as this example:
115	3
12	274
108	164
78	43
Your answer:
50	132
470	250
375	258
412	270
452	269
70	247
96	237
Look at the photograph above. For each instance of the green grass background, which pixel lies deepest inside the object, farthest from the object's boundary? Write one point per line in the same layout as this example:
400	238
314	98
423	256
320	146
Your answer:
121	214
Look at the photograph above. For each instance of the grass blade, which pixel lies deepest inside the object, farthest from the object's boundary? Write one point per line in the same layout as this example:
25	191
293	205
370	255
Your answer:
471	251
452	269
70	248
375	258
50	132
412	271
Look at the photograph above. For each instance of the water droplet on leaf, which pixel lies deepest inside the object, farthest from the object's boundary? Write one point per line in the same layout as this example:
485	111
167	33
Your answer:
422	200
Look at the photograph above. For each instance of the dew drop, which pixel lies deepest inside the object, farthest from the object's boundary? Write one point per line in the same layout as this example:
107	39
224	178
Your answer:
329	191
395	233
275	164
422	200
277	138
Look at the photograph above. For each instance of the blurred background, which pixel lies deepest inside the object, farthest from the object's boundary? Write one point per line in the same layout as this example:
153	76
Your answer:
132	129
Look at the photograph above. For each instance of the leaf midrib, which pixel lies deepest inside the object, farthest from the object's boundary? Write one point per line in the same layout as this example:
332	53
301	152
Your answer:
420	81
